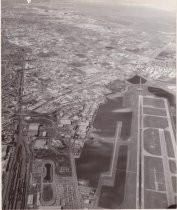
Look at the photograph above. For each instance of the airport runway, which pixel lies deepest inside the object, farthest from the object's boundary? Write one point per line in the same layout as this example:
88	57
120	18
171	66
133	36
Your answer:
142	172
156	187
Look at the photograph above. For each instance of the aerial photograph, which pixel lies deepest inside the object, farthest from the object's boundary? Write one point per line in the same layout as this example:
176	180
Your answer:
88	104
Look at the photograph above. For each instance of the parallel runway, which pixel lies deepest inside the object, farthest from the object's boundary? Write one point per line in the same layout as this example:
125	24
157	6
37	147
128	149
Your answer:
143	168
157	149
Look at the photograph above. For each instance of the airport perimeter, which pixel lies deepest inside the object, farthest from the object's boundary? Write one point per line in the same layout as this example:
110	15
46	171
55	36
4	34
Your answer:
156	153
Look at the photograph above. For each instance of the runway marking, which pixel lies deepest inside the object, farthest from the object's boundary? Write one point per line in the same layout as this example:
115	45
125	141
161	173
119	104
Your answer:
138	154
153	115
145	128
153	107
155	176
119	127
113	164
154	143
162	192
146	153
126	171
138	178
142	155
171	158
152	97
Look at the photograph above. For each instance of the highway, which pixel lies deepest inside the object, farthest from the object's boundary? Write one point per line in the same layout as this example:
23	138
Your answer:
16	183
74	176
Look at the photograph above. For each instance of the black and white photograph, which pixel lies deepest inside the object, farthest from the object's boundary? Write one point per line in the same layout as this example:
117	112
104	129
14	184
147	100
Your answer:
88	104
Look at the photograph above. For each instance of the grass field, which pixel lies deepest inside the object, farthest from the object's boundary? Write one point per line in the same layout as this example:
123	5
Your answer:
152	141
172	165
47	193
154	174
153	111
155	199
154	102
155	122
174	181
169	146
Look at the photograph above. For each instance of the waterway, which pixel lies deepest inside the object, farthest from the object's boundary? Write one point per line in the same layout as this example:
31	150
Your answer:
95	159
112	197
106	120
96	155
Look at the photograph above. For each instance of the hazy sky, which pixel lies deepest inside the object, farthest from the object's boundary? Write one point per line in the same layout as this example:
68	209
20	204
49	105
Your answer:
158	4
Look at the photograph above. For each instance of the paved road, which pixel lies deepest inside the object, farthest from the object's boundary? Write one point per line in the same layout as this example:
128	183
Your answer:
14	195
